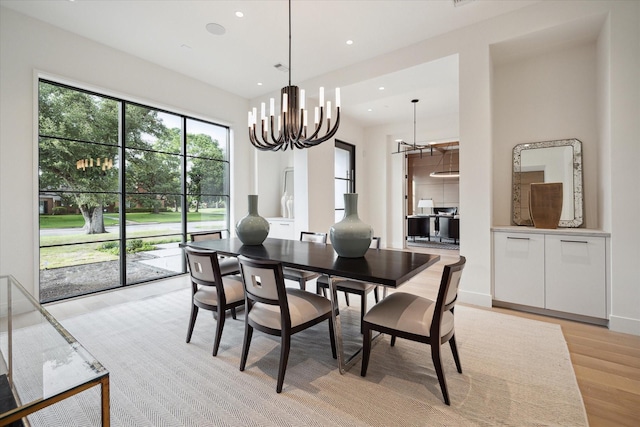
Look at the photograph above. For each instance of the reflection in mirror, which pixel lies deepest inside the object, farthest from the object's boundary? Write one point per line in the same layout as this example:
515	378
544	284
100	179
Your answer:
549	161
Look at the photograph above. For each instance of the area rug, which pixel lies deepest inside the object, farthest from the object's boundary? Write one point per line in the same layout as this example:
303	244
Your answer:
516	372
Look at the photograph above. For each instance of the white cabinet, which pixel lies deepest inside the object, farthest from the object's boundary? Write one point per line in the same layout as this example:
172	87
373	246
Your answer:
519	268
563	270
575	275
282	228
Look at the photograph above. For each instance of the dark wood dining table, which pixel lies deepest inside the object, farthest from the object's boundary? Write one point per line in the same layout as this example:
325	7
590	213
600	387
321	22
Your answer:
389	268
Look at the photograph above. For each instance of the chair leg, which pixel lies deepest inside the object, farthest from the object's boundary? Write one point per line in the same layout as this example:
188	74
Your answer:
303	284
363	309
233	312
219	327
366	349
346	297
375	294
192	321
454	350
332	337
284	358
393	340
437	364
248	333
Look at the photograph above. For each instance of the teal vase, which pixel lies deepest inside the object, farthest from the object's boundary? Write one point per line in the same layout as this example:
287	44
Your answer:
351	237
252	229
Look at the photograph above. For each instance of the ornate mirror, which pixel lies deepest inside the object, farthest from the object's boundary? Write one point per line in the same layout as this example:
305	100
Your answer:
548	161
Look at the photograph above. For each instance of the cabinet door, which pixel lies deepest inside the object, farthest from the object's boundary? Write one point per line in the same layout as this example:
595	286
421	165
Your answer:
575	275
519	268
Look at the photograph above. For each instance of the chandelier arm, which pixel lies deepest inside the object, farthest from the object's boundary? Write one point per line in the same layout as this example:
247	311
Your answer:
262	145
318	125
329	135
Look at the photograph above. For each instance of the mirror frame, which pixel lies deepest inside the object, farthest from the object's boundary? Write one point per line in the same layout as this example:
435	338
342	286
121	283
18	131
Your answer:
577	180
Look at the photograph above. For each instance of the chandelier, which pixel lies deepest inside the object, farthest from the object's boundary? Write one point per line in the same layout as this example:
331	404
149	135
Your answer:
289	129
404	146
444	173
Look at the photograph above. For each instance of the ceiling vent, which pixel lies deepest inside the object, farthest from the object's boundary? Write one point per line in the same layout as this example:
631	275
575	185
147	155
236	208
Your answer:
281	67
457	3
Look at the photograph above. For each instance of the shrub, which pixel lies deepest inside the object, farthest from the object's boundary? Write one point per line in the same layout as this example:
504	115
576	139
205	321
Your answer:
60	210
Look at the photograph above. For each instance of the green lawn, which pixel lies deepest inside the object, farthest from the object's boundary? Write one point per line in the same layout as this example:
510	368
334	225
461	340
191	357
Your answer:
111	219
53	256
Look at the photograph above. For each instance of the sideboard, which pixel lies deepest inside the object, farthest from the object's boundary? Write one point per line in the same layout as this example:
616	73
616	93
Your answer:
560	272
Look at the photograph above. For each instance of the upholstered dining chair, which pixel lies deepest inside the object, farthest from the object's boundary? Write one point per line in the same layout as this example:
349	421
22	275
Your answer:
353	286
301	276
419	319
228	265
277	310
211	291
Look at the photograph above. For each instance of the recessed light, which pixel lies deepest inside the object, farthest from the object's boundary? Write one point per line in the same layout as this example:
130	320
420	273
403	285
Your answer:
370	109
239	14
259	83
185	46
381	88
215	29
349	42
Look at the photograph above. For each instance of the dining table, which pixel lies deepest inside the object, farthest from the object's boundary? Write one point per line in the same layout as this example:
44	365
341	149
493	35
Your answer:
385	267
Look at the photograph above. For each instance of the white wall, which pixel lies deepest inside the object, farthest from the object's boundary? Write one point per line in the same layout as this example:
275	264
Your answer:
544	97
27	47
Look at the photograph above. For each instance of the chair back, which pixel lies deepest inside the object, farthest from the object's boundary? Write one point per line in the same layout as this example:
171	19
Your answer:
206	235
375	243
203	266
308	236
263	281
447	293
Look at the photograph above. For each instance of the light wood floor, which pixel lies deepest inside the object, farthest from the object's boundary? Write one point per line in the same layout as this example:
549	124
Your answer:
606	364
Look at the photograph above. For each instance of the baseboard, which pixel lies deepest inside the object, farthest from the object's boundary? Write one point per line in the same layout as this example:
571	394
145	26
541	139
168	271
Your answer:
475	298
624	324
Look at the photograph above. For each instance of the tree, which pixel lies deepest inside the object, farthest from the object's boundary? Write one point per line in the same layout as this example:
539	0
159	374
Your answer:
205	174
76	127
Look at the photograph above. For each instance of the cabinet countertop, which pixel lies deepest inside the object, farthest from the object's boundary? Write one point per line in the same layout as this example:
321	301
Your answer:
566	231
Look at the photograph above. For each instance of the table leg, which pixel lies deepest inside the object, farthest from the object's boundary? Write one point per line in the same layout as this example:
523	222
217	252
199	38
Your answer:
344	363
106	406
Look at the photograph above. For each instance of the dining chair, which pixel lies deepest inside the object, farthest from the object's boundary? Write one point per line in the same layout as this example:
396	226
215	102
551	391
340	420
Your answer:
419	319
210	290
274	309
302	276
353	286
228	265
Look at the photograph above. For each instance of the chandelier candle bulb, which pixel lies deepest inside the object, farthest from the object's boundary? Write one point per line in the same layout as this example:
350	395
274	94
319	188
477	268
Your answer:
262	108
321	97
285	103
272	107
302	99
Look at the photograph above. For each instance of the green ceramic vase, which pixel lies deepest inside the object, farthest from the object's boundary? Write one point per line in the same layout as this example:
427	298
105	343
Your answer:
351	237
252	229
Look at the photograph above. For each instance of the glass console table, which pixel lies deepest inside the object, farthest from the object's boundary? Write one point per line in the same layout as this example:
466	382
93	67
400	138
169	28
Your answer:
41	362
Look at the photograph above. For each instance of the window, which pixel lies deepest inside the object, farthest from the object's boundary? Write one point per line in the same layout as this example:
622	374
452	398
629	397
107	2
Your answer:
120	185
345	175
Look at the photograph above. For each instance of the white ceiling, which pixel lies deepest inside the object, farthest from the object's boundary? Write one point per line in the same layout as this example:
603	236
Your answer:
172	34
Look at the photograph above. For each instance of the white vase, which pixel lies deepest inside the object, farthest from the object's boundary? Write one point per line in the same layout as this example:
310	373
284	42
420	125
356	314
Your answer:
290	207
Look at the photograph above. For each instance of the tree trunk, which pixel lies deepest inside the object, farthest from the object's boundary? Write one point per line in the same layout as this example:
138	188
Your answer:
93	219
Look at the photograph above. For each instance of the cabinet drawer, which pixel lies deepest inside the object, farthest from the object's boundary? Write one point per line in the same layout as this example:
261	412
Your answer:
519	268
282	229
575	275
